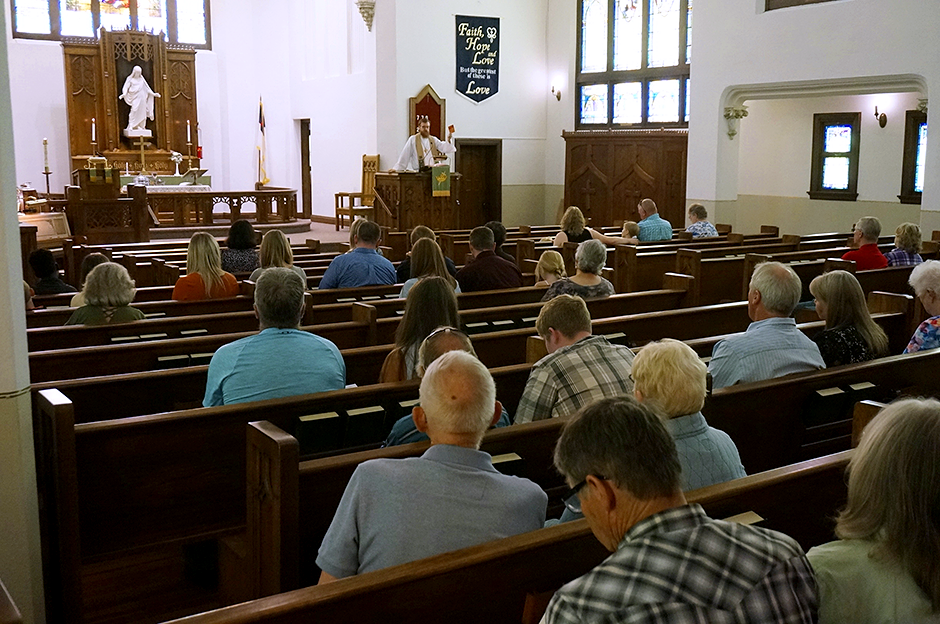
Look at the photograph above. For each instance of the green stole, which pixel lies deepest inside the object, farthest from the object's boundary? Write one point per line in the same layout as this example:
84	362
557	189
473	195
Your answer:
435	153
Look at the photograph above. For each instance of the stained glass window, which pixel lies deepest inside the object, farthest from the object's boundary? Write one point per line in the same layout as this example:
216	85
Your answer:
919	163
628	34
594	104
594	36
628	103
53	19
838	139
639	51
835	156
836	173
31	16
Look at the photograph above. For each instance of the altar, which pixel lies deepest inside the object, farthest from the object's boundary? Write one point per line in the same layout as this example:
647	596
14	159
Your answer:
404	200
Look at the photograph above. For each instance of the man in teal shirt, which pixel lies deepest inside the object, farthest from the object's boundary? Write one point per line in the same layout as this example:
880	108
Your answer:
652	226
282	360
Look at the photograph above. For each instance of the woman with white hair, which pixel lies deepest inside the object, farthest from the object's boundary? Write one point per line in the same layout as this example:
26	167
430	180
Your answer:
587	282
108	291
886	566
851	335
925	280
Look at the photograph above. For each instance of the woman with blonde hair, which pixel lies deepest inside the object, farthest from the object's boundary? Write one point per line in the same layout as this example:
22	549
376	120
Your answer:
427	260
108	291
276	252
851	335
204	277
431	303
886	565
574	230
550	269
907	245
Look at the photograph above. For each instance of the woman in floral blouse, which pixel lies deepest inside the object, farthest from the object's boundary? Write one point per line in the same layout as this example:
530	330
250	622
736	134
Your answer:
925	280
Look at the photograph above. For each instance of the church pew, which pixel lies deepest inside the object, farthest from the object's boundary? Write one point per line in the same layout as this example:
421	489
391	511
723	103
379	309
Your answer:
490	582
9	614
150	293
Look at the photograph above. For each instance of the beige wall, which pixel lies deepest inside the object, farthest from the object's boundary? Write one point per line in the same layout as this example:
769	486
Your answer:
531	204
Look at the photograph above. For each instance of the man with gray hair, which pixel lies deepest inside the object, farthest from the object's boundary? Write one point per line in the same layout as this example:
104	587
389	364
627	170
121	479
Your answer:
399	510
865	235
487	271
772	346
281	360
670	561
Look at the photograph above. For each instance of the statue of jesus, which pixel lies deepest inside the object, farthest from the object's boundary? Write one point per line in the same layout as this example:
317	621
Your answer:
139	96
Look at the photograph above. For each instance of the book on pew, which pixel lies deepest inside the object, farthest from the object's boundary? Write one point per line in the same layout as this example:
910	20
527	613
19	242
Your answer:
365	426
193	332
510	464
320	433
159	336
505	324
476	328
124	339
200	359
345	300
155	315
172	361
826	406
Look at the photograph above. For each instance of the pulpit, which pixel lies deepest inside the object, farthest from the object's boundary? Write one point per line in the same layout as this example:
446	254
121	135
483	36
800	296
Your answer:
404	200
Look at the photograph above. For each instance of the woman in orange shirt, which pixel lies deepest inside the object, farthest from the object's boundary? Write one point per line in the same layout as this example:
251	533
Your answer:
205	278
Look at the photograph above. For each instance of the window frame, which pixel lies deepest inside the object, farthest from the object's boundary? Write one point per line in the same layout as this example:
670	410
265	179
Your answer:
55	23
770	5
645	75
912	121
820	122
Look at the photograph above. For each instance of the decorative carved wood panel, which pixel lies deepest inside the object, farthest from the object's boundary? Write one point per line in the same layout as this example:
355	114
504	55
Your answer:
408	197
608	173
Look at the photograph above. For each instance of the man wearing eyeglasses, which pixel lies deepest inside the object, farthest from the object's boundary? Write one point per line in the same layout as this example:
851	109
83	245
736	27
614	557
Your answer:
399	510
670	562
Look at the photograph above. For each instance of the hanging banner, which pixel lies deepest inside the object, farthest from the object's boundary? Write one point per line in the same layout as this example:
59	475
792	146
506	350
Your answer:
477	57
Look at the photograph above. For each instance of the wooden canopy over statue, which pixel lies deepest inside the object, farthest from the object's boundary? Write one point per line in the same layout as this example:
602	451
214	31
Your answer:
132	118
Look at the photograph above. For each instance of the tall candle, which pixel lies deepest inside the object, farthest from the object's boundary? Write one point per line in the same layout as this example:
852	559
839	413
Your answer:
93	134
189	136
45	153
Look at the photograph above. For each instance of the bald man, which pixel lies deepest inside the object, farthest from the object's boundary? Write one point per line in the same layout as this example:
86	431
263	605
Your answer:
652	226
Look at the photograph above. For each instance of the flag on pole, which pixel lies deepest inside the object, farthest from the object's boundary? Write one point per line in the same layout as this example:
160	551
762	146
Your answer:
262	147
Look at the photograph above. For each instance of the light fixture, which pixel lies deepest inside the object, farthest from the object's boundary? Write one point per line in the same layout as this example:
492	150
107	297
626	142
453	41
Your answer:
734	114
556	93
882	118
367	10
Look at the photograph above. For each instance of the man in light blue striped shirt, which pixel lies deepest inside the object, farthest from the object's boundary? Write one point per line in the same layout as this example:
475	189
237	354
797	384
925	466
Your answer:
772	346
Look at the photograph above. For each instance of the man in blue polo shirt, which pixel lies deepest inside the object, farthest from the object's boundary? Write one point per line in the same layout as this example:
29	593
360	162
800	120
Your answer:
363	266
282	360
652	226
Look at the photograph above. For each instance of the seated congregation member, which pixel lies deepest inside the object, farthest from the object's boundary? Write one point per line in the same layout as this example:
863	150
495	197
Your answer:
631	230
499	237
550	268
88	263
865	237
400	510
487	271
907	245
652	226
431	303
240	255
574	230
427	260
108	291
281	360
276	252
442	340
403	271
886	566
579	368
670	561
925	280
204	277
670	377
698	222
851	335
362	265
772	346
587	282
44	266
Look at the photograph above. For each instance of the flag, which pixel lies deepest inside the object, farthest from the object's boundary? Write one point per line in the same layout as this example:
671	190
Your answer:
262	147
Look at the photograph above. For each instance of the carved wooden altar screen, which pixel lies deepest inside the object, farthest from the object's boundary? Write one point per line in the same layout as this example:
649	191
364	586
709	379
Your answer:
94	77
608	173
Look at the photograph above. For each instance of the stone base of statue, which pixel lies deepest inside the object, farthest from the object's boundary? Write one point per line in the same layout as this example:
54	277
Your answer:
138	133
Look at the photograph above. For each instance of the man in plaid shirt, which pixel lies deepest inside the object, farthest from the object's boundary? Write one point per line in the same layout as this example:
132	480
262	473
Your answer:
579	369
670	562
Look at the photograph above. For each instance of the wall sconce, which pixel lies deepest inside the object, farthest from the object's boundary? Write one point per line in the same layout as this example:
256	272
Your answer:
734	114
882	118
367	10
556	93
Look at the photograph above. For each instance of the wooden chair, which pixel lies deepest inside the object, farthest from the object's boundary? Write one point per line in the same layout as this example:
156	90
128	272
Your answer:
345	203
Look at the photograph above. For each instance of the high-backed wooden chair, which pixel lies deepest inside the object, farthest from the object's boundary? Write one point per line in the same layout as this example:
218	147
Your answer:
345	203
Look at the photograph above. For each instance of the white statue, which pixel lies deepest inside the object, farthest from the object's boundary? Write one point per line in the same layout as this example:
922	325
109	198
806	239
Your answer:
139	96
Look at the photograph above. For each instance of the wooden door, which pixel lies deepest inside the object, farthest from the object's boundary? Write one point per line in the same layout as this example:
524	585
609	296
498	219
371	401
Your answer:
479	161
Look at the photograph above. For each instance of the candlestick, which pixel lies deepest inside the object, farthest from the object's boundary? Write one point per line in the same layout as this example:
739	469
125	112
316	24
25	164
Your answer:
189	136
45	154
93	133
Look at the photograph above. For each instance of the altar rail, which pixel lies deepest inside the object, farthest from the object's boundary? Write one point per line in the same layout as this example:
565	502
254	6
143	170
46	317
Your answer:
196	207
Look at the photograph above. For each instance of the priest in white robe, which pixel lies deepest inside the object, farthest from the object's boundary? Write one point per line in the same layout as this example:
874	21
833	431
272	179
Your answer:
423	150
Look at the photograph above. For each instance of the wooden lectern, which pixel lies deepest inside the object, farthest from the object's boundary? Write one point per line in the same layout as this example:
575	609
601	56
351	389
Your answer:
404	200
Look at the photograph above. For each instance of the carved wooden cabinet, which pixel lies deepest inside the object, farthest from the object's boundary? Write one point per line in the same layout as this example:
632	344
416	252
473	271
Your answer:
608	173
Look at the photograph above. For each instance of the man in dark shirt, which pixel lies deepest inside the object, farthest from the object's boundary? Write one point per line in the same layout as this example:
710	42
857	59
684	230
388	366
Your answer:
487	271
403	271
499	237
44	266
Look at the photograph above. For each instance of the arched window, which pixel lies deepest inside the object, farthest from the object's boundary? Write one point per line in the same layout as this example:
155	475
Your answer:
182	21
633	63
